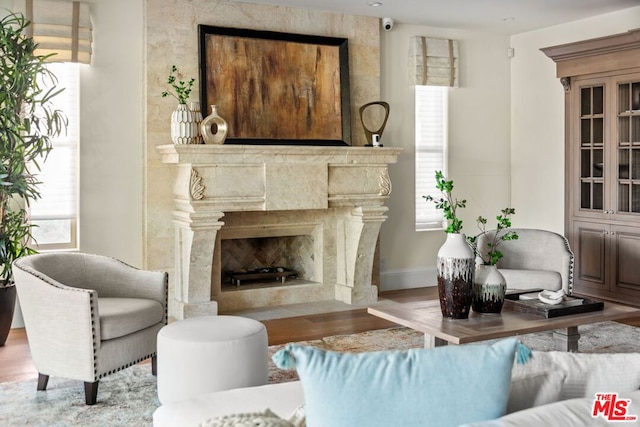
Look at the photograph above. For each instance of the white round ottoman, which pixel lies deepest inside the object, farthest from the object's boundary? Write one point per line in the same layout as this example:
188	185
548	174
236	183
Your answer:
210	353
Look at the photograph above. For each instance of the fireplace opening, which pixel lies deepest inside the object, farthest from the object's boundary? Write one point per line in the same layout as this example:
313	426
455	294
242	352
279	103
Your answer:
300	241
250	263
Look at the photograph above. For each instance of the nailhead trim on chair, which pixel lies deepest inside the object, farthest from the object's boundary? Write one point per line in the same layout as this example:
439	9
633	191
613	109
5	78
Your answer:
166	298
126	366
95	341
571	265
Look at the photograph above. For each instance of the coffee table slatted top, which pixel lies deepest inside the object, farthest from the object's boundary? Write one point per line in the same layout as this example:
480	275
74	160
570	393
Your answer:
426	317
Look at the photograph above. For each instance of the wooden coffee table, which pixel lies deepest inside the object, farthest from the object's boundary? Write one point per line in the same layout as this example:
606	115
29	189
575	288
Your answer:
426	317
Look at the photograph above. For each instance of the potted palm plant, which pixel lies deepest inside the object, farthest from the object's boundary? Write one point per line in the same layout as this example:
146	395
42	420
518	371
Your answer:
28	122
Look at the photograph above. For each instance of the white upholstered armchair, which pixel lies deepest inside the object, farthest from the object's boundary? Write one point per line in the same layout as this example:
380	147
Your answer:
88	316
538	259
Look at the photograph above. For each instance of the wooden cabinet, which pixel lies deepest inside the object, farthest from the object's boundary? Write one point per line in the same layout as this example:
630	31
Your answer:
607	258
601	78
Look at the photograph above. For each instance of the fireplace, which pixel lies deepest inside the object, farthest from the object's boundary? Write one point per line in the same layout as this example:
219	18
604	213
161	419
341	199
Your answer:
324	204
266	260
275	254
254	240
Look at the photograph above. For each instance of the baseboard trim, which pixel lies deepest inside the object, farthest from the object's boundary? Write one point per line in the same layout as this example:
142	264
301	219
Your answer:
421	277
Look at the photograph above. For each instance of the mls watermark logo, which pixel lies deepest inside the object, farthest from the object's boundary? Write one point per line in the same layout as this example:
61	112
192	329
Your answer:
611	408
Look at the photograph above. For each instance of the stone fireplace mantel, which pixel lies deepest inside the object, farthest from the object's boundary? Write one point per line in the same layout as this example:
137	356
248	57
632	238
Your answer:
335	194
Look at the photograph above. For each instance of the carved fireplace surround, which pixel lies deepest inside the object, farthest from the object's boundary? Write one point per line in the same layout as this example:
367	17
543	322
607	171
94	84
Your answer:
335	195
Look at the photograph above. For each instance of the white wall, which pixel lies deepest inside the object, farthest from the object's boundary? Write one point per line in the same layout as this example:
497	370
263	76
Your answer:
479	131
537	117
112	141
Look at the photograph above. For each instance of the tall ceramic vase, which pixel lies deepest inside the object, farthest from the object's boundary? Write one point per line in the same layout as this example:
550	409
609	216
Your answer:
456	266
214	127
184	129
489	289
197	116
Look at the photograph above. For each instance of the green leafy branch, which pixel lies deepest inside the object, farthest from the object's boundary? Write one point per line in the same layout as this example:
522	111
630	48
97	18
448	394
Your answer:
447	203
181	88
503	223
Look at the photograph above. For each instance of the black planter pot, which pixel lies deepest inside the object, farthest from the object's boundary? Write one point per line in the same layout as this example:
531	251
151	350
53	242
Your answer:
7	306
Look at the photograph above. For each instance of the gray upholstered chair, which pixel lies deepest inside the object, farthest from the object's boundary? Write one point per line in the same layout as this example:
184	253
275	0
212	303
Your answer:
88	316
538	259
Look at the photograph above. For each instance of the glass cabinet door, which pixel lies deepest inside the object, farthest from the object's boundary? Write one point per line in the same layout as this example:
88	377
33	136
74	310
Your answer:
592	143
628	145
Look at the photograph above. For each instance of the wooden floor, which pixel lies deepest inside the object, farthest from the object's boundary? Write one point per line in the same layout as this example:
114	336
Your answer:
16	365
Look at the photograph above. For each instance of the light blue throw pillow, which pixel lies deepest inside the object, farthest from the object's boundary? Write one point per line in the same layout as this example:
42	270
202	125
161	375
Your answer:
445	386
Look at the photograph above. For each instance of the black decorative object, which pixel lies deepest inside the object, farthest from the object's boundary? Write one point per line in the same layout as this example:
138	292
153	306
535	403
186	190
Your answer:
7	306
372	139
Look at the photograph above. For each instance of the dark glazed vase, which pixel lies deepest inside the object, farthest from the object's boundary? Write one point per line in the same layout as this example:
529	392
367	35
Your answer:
7	306
489	289
456	266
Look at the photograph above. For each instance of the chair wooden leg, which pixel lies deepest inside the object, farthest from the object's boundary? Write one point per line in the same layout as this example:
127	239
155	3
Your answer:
90	392
43	380
154	365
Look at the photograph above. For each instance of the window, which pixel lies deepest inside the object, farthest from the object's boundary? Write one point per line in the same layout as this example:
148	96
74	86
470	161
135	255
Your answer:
55	214
431	151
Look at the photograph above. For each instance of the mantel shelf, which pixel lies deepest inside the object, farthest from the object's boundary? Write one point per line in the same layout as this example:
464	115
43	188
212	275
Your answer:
228	153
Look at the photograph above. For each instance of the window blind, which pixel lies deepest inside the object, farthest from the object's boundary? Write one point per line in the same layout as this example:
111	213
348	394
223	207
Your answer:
61	28
55	213
433	62
431	105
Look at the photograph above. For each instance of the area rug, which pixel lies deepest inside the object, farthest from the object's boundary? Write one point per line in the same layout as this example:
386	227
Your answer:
129	397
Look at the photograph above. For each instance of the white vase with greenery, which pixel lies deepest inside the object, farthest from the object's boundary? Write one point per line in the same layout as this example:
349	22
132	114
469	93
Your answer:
455	261
185	126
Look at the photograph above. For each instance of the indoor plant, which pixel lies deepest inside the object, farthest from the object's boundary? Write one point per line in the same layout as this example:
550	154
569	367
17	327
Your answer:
455	261
447	203
502	233
29	121
184	123
489	285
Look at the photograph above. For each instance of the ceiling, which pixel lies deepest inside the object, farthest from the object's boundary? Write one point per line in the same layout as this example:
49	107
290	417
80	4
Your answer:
497	16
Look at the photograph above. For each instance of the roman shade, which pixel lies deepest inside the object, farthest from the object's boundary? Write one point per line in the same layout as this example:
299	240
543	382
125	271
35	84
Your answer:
433	62
61	28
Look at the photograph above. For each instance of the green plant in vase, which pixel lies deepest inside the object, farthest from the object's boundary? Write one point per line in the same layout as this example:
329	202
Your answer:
455	262
185	123
181	89
447	203
489	285
502	234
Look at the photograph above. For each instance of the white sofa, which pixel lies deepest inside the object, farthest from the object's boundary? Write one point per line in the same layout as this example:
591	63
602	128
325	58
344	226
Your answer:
554	388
